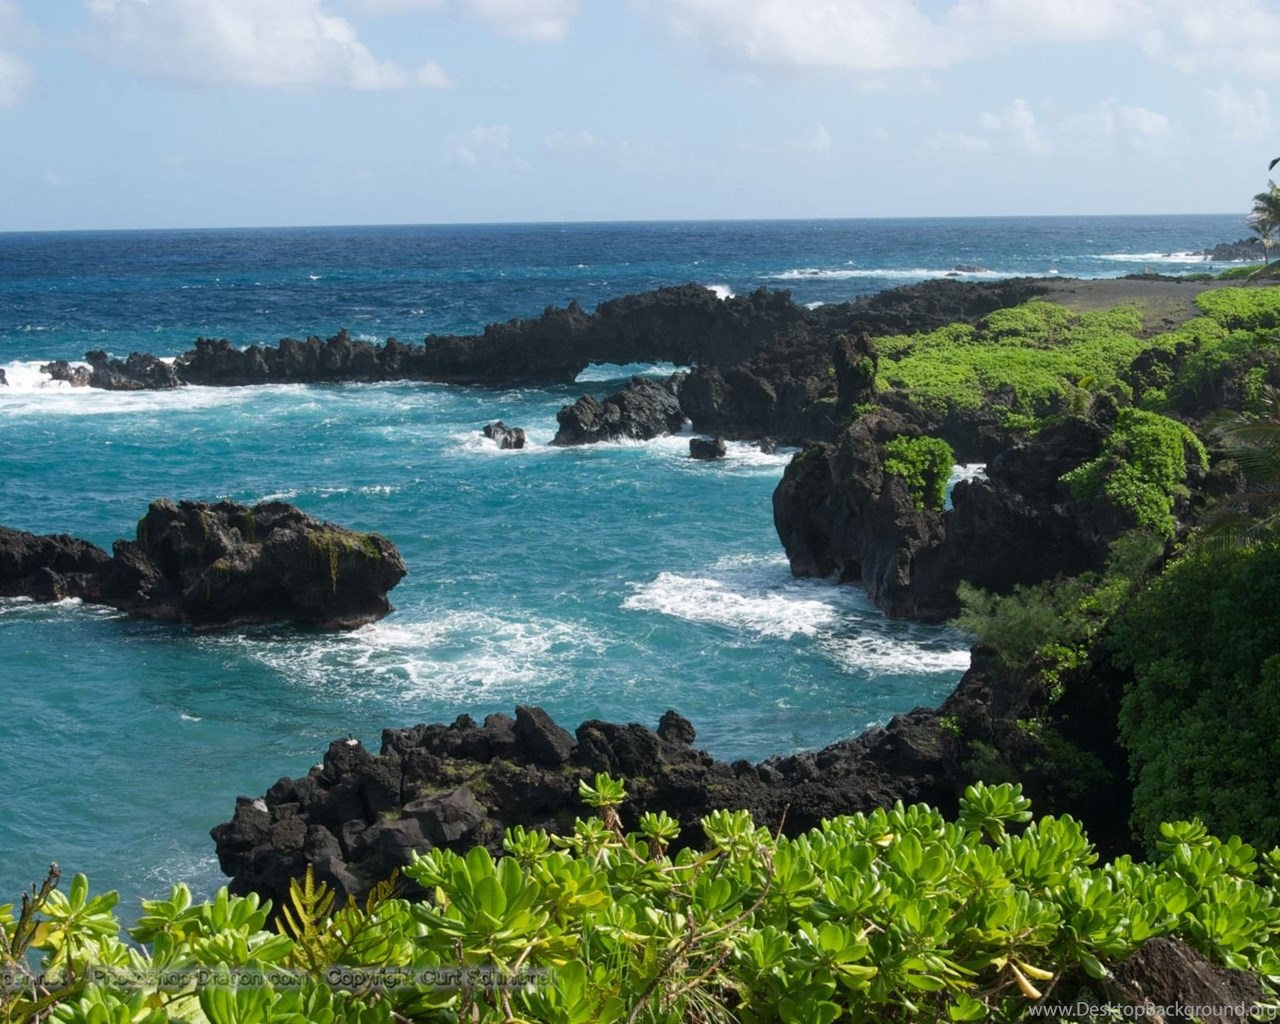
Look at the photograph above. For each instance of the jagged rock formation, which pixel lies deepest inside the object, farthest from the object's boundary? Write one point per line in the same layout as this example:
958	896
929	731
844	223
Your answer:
213	566
707	448
505	437
60	369
1241	250
838	513
359	815
48	568
645	408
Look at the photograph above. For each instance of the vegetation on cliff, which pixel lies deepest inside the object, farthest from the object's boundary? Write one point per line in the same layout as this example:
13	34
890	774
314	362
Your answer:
897	914
1202	716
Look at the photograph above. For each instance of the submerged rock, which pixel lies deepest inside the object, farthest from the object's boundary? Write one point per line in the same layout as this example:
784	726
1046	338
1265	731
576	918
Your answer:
60	369
213	566
707	448
507	438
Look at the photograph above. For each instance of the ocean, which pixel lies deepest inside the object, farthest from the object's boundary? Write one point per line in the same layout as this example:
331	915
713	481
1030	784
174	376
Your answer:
614	581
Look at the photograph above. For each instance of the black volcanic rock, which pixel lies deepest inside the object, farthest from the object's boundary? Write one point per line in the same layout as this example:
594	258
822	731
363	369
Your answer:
136	373
506	438
761	364
1242	250
462	785
837	513
214	566
4	380
707	448
48	568
643	409
60	369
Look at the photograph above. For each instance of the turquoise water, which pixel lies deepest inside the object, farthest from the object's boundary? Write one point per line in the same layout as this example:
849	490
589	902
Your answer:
615	581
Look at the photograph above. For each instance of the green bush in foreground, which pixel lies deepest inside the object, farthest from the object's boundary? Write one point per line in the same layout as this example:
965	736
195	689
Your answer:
897	914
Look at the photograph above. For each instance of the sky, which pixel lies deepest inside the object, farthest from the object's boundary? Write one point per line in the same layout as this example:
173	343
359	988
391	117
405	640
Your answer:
233	113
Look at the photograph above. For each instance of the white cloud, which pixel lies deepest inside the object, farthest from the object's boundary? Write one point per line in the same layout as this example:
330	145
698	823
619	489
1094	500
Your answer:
15	75
1244	118
573	142
1241	36
816	141
895	35
532	20
393	6
1058	21
1016	124
856	35
1117	127
485	144
535	20
289	43
959	144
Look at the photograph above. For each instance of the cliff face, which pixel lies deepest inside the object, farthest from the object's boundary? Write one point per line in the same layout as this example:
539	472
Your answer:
213	566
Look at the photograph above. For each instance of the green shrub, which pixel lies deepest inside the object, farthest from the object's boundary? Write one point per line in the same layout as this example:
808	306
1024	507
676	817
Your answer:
1240	273
894	915
924	464
1034	356
1048	627
1250	308
1202	718
1145	458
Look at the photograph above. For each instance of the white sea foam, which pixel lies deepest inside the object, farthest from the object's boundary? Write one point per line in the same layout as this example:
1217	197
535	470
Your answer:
723	291
457	655
600	372
914	273
967	471
26	376
879	654
765	612
751	594
757	596
31	392
1153	257
473	442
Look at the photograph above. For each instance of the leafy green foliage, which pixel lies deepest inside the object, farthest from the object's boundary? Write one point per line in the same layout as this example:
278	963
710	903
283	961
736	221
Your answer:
1249	308
1144	459
893	915
1202	718
924	464
1030	358
1050	626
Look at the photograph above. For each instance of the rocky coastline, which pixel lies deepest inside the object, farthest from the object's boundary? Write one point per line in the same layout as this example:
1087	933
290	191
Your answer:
759	362
359	815
214	566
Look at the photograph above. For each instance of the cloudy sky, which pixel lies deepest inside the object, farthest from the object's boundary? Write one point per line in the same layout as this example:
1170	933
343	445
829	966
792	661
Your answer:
184	113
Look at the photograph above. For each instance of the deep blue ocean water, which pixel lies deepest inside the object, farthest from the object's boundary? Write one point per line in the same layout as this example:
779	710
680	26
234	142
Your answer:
615	581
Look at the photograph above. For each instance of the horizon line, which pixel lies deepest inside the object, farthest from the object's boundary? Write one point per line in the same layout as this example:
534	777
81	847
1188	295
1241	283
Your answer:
611	223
